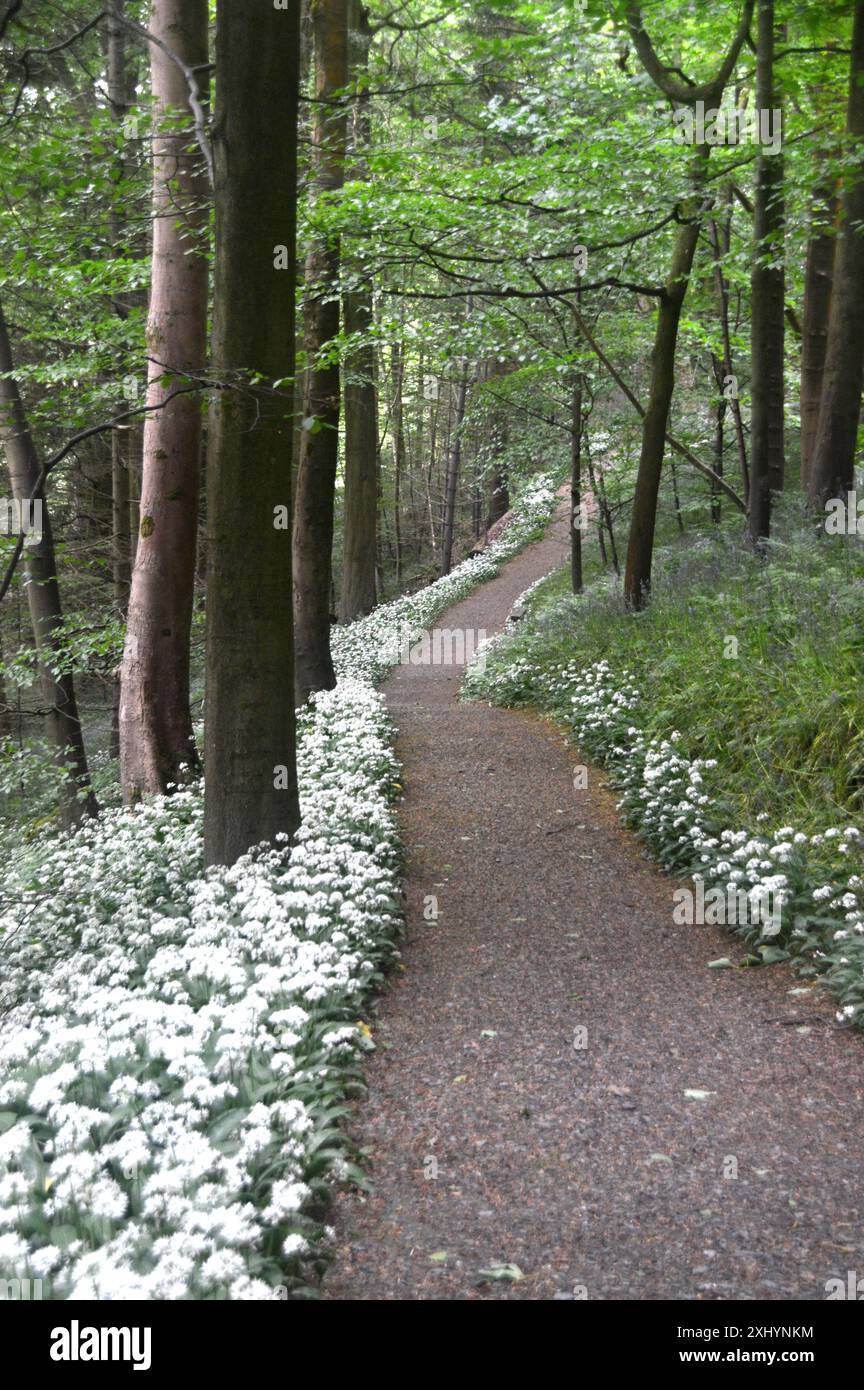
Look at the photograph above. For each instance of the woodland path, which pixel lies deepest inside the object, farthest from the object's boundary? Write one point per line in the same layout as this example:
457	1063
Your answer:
583	1167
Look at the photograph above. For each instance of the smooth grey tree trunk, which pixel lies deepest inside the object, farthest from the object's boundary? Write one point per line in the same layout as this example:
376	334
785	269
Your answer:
832	471
319	445
767	293
249	748
157	747
359	391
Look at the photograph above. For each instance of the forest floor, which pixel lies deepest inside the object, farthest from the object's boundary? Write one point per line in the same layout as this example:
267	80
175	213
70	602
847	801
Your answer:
490	1138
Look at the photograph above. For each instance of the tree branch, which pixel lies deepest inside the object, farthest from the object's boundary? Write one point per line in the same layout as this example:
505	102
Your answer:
191	75
663	77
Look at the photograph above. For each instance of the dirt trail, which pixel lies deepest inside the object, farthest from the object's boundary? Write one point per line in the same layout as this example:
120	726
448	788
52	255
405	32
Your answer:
588	1168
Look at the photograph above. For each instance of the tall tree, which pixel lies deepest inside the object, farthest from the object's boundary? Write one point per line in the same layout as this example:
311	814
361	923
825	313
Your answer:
156	738
499	495
359	540
359	532
124	436
767	295
640	547
818	280
721	241
319	446
5	707
832	469
397	431
43	595
251	780
454	459
120	93
576	513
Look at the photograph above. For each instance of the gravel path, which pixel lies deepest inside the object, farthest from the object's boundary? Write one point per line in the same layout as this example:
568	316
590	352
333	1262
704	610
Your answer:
492	1139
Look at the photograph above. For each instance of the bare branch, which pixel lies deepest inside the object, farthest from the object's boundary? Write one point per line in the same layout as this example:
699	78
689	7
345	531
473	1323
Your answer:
665	77
199	118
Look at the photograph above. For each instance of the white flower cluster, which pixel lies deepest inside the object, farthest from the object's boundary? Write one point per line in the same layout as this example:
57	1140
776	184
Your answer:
365	648
669	799
176	1041
176	1045
675	804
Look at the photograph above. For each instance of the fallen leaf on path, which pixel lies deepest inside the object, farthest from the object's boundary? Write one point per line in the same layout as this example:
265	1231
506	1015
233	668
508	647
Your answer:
496	1271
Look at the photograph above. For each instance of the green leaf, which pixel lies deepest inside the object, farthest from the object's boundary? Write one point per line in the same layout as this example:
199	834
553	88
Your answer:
501	1271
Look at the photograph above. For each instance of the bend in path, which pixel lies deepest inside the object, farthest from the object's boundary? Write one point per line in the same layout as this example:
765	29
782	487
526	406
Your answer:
491	1138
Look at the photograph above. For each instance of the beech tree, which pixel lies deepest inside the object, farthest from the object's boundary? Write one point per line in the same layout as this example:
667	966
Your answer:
250	768
818	281
767	298
640	546
360	397
832	469
454	460
156	739
125	437
576	393
319	444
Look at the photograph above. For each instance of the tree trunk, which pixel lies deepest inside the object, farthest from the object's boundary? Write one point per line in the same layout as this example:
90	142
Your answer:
576	483
43	596
637	577
453	461
122	565
721	247
398	432
676	497
640	546
360	521
430	470
598	487
499	498
136	450
361	465
832	470
251	779
767	292
120	93
156	740
719	420
5	707
818	279
319	446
